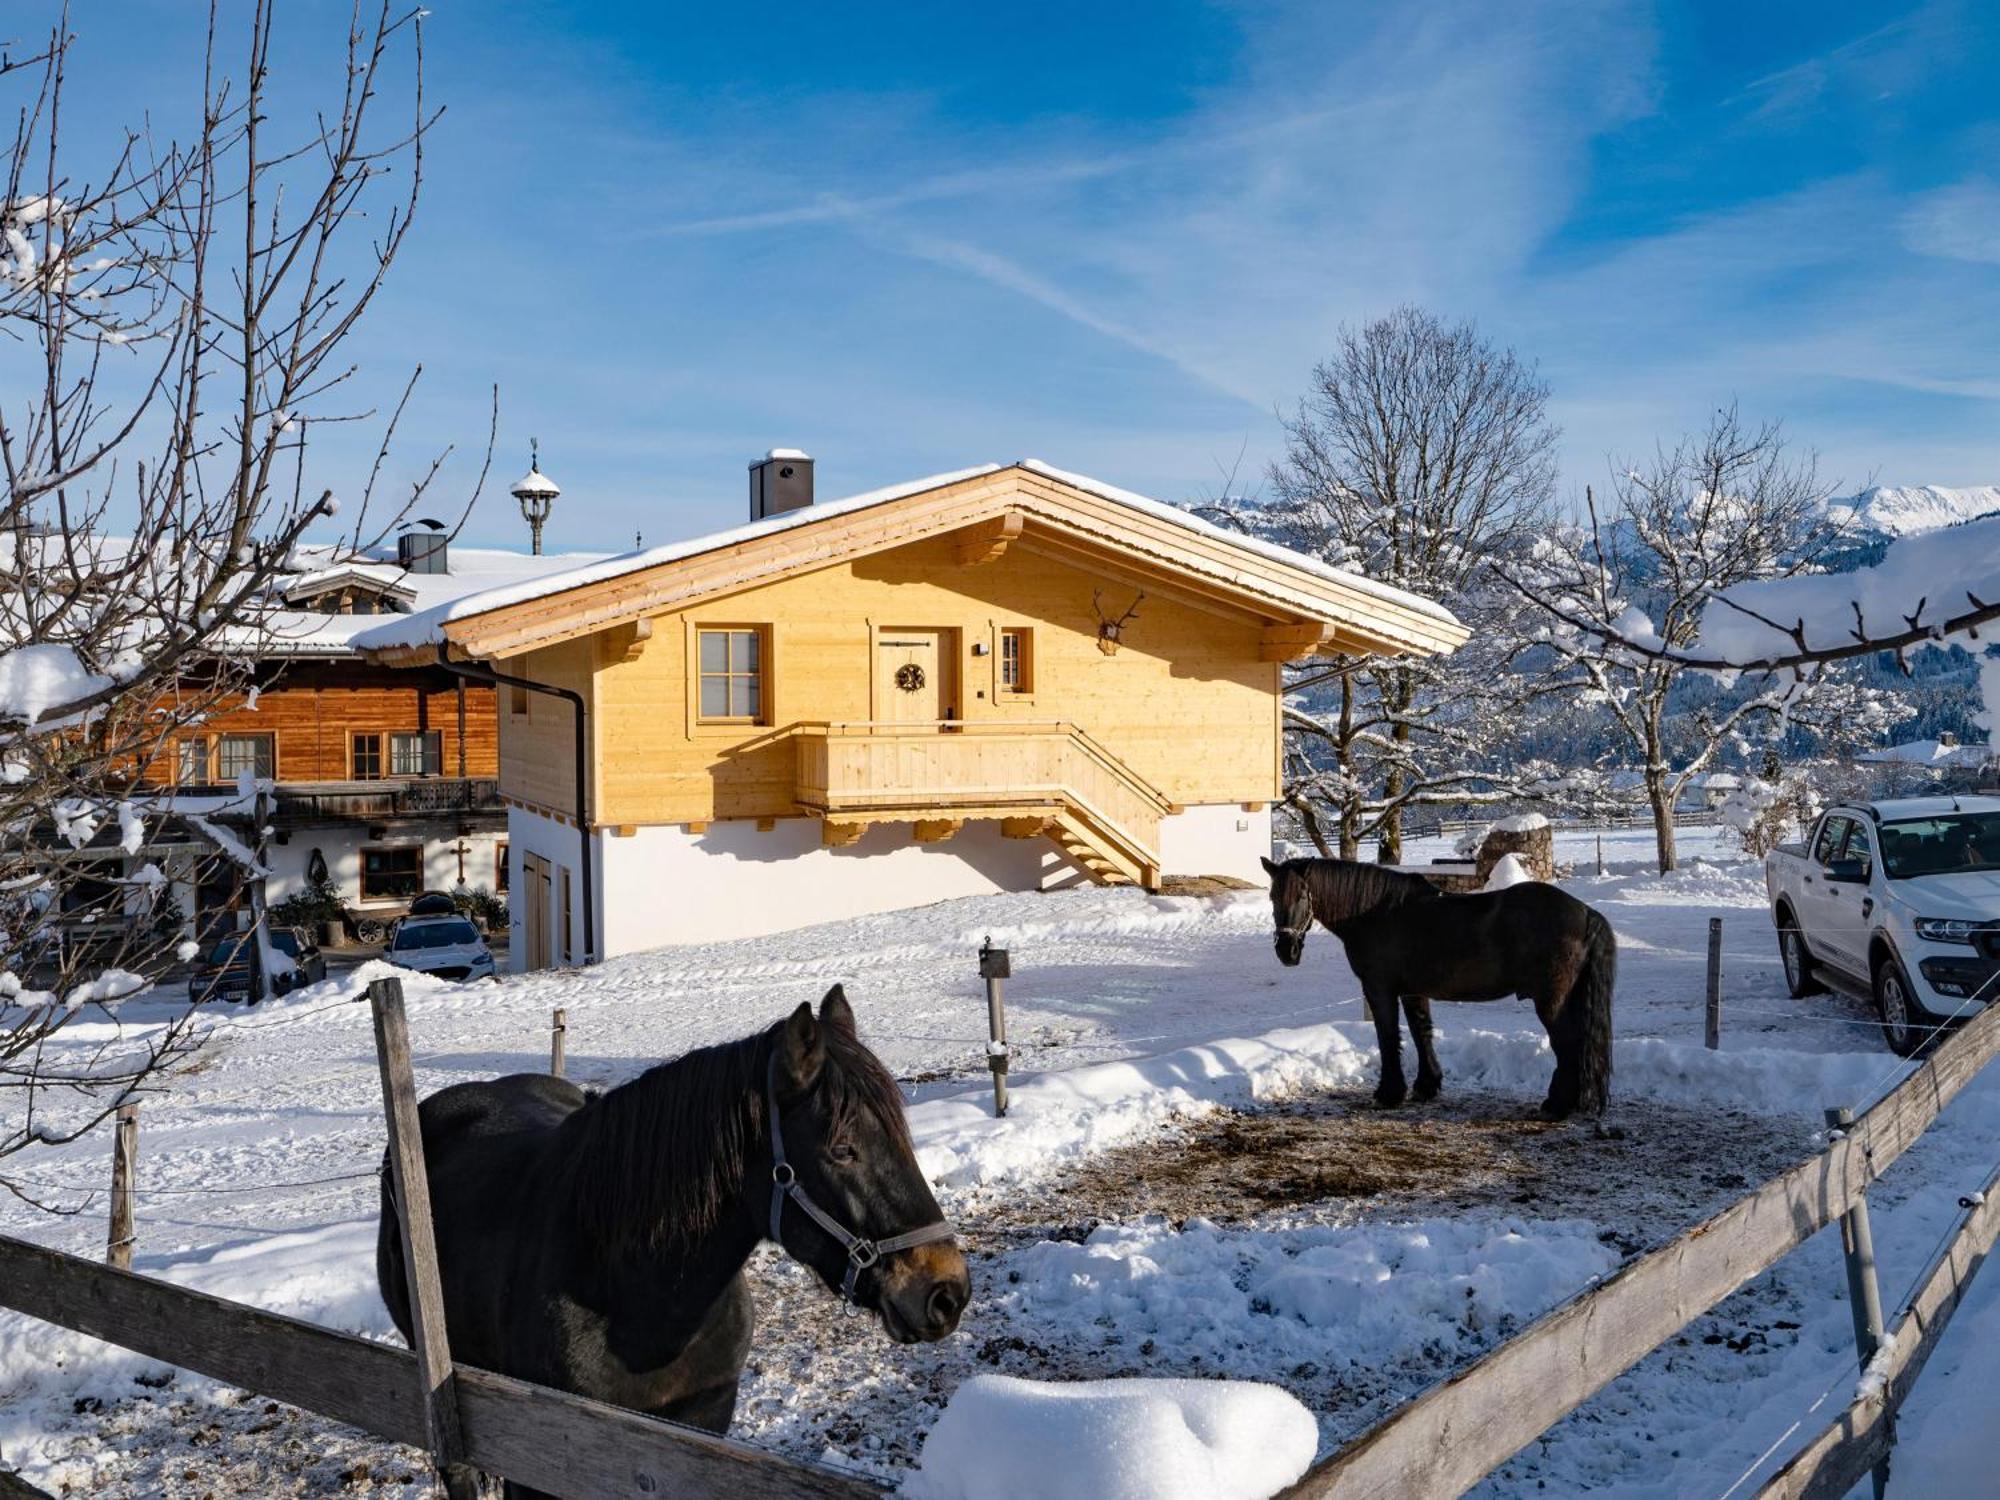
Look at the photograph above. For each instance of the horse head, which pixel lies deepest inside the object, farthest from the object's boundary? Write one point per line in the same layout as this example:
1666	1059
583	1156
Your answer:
1291	907
848	1197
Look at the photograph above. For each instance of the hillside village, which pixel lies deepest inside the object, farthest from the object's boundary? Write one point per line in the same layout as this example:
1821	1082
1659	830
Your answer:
879	967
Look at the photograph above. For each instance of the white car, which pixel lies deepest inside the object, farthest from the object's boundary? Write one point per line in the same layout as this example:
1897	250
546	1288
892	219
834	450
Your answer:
449	947
1898	903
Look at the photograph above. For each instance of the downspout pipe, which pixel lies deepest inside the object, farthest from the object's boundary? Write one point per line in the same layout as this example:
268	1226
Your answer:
475	672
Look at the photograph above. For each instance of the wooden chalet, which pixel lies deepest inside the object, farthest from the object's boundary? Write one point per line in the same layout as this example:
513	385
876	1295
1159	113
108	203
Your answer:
1008	678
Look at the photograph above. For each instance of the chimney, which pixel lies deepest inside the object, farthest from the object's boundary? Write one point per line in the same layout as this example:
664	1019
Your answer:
781	480
424	550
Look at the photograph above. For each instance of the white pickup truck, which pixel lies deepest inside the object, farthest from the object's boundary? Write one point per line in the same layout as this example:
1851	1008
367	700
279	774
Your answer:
1897	903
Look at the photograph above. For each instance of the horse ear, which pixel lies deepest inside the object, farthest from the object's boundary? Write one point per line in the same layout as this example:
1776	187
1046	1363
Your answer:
801	1050
1269	868
835	1011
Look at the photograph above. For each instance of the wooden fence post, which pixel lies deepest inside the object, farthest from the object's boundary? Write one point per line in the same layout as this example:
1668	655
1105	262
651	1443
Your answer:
124	1164
558	1041
1864	1296
413	1217
1713	1030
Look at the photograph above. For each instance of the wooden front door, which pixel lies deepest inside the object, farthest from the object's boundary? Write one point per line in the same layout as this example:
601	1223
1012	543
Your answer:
914	680
534	898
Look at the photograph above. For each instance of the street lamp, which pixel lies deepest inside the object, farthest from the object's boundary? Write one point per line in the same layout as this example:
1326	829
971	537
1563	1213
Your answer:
536	492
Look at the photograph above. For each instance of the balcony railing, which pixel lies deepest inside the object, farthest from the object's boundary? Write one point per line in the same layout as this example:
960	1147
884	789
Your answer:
299	802
949	768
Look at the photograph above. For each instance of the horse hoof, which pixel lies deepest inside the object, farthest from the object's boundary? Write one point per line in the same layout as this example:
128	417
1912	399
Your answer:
1426	1089
1389	1098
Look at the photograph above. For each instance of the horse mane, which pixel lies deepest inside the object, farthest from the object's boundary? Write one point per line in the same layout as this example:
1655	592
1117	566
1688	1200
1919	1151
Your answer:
653	1162
1344	888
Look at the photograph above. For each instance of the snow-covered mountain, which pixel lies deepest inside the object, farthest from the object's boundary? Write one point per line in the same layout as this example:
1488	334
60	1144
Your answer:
1894	512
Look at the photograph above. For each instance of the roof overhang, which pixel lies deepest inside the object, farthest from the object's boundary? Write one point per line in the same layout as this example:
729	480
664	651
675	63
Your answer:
1304	607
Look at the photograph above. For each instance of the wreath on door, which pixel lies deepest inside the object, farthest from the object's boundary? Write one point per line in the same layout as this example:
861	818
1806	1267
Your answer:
909	677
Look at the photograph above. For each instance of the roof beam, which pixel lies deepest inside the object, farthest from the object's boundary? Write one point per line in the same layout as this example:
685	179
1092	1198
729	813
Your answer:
1289	642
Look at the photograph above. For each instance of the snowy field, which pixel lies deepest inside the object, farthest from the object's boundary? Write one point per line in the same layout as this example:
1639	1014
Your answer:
1149	1033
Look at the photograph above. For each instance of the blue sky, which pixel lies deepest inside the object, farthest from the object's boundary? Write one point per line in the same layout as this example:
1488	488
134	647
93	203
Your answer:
912	238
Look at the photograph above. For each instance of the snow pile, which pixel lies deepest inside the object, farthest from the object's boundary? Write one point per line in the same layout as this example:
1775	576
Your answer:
1361	1297
1001	1438
1507	870
37	679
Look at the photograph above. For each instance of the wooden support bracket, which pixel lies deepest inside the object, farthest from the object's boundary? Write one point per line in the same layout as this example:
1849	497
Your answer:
937	830
989	540
839	835
625	642
1023	828
1288	642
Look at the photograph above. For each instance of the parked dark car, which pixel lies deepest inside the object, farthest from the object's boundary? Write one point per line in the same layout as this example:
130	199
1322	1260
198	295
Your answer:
223	973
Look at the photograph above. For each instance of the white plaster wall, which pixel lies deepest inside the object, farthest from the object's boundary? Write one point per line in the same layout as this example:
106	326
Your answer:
342	846
1217	839
664	886
531	833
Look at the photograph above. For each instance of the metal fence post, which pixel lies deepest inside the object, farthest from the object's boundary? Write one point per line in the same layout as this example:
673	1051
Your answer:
993	968
1864	1295
1713	1029
124	1166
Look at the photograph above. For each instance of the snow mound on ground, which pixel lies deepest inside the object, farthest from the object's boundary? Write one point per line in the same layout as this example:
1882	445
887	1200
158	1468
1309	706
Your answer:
1002	1437
1344	1297
1507	870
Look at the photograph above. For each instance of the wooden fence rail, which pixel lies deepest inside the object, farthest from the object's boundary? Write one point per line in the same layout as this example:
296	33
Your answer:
535	1436
1460	1430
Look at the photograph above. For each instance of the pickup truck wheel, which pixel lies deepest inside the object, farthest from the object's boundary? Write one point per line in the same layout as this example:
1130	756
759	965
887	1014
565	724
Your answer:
1906	1025
1796	957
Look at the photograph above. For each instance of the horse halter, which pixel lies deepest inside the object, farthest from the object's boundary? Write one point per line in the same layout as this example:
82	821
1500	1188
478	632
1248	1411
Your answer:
861	1253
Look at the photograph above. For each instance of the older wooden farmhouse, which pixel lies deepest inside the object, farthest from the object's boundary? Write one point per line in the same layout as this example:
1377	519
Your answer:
1006	678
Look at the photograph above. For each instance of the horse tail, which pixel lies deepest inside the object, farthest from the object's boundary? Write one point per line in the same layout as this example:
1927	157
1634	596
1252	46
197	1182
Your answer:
1587	1013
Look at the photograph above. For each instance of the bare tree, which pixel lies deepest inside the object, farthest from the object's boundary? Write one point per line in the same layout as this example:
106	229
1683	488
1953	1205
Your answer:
1421	455
172	324
1624	593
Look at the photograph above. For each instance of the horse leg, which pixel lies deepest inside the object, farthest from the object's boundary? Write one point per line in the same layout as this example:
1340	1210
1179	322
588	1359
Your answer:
1391	1089
1430	1076
1564	1085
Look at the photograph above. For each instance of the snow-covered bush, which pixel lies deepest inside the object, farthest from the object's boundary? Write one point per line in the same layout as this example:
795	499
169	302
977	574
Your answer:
1764	814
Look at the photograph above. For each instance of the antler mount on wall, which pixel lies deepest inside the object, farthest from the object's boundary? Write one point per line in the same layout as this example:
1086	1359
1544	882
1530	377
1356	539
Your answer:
1109	631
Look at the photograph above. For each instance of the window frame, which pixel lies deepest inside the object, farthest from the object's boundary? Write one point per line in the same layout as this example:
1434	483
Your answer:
699	676
1023	638
501	870
268	771
430	753
355	770
361	875
205	772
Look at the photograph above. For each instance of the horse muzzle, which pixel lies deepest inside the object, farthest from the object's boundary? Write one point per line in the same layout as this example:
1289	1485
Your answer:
1290	951
923	1291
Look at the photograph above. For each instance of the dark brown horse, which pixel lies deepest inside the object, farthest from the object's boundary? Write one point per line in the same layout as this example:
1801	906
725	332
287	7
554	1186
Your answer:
596	1243
1408	942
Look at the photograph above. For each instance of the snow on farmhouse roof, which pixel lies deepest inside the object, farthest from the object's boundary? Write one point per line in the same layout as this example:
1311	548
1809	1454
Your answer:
305	633
427	627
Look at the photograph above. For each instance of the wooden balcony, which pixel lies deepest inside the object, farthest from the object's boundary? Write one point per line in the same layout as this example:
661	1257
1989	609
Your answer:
1044	778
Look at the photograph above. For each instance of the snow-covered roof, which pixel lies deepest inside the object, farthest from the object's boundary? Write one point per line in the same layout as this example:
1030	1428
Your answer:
376	576
427	626
1926	753
304	633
